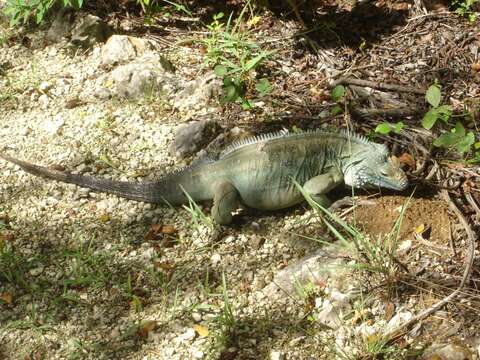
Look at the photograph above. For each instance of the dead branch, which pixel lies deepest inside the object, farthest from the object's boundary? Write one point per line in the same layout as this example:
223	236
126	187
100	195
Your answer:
399	112
377	85
473	204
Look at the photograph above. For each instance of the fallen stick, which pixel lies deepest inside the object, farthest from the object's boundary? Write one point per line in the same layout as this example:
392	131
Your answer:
399	112
377	85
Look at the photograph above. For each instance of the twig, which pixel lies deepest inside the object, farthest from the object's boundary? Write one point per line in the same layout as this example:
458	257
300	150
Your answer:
377	85
473	204
466	274
400	112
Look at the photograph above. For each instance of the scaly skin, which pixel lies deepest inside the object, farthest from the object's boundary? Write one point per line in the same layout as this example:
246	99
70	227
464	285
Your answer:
258	173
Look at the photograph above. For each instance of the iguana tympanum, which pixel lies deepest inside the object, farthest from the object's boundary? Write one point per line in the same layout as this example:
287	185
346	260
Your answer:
258	172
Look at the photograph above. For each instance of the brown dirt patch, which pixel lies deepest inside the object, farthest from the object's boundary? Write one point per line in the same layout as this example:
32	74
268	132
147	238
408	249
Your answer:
380	218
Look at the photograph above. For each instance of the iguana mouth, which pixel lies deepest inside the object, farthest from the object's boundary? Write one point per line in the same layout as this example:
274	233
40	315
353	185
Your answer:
398	185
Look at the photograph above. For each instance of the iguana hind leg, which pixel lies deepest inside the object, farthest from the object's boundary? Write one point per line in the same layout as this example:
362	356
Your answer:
225	201
319	185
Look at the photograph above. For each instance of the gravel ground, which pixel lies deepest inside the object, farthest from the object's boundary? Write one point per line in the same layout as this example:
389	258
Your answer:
86	279
92	276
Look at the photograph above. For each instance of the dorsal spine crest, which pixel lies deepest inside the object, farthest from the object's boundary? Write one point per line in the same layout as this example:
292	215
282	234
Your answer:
344	134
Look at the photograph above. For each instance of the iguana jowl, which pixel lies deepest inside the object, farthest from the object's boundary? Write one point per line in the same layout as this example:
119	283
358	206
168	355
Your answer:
258	172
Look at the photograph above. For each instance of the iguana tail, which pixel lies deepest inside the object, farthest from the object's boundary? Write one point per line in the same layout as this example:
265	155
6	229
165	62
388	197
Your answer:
166	190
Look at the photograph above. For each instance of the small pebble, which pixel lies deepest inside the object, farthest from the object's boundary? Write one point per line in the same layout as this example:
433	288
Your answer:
196	317
276	355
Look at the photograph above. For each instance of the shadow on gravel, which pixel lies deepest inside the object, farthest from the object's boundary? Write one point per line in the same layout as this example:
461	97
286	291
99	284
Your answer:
90	273
268	334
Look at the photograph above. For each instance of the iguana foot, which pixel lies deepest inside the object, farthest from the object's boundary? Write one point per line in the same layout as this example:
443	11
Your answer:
319	185
225	201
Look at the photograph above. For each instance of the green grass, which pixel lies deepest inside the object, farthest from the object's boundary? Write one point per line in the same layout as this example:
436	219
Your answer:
375	259
198	217
16	85
234	54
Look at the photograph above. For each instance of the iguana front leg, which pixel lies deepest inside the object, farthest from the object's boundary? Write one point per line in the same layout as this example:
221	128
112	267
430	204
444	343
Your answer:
319	185
225	200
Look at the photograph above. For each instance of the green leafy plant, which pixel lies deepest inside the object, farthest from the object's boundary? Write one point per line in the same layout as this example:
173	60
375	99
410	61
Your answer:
465	8
263	87
151	7
21	11
386	128
437	111
179	8
234	55
337	94
457	138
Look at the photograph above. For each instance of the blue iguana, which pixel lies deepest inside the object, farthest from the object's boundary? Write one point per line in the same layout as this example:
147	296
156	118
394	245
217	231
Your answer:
258	172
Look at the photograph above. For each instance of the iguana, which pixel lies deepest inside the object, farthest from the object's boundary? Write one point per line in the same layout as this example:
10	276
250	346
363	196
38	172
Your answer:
258	172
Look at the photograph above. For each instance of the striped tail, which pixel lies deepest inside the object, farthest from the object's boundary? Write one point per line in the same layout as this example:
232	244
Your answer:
166	190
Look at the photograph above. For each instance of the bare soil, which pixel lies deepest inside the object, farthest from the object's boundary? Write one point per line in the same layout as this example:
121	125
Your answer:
427	216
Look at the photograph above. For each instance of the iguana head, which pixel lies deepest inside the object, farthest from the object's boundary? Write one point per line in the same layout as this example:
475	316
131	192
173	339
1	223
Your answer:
375	168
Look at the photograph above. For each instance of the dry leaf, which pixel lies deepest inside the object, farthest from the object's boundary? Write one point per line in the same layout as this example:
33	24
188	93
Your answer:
320	284
201	330
408	160
420	229
476	67
7	297
104	218
254	21
360	316
168	229
389	310
6	237
153	232
146	327
162	232
373	339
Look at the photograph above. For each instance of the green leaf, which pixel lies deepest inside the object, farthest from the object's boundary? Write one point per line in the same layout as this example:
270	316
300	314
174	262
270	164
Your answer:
459	130
444	112
220	70
430	118
398	127
456	137
446	140
477	145
337	109
252	63
433	95
227	81
383	128
231	93
466	143
246	105
338	92
263	87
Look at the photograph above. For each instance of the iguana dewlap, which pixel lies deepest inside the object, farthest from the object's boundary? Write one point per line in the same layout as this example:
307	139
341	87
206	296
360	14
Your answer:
258	172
